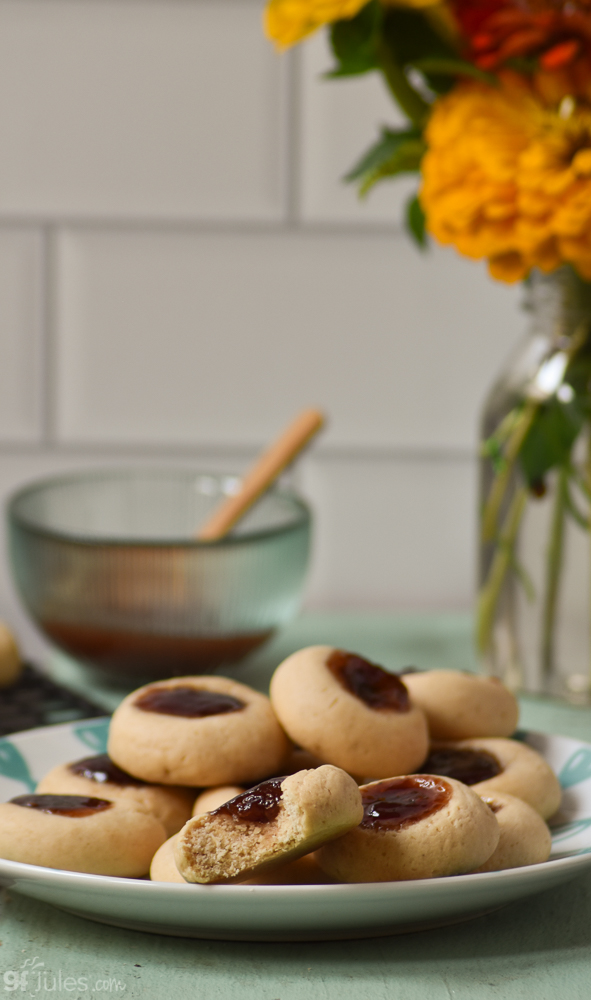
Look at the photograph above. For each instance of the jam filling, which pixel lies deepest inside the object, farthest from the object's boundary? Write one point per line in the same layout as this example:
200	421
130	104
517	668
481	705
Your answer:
102	769
368	682
398	802
188	702
467	765
260	804
63	805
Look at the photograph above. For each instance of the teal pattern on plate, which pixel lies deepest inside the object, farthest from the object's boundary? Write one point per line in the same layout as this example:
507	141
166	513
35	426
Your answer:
576	769
94	734
14	766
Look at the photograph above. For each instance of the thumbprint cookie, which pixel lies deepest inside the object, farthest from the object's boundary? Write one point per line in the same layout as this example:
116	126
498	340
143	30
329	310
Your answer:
198	731
100	776
499	765
79	833
414	827
349	712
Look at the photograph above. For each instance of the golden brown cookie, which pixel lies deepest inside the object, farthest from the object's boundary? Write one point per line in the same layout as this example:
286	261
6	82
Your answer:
349	712
163	867
211	798
197	731
524	837
79	834
505	766
100	776
415	826
275	822
460	706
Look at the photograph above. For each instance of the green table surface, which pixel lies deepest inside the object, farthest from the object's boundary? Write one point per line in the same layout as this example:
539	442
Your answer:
540	948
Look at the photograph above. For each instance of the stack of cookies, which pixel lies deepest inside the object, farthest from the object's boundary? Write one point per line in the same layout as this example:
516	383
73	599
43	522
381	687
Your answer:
345	772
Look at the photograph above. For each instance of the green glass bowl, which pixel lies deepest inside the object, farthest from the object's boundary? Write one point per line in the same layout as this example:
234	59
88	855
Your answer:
108	567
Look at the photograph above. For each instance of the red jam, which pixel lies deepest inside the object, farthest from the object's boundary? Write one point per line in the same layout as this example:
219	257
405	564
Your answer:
398	802
187	702
63	805
102	769
463	764
260	804
368	682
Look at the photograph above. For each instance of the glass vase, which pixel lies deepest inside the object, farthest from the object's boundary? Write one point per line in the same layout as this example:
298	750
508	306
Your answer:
534	600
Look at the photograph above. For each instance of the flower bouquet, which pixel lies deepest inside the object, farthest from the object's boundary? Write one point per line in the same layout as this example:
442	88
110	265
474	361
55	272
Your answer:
497	98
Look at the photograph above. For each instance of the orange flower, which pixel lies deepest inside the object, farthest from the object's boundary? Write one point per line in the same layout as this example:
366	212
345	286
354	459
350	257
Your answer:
509	179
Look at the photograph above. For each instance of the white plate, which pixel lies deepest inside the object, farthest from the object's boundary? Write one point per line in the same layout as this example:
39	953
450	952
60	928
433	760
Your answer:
288	913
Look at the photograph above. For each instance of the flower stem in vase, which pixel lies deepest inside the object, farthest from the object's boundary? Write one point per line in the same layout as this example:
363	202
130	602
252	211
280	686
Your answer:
502	561
587	486
554	562
501	481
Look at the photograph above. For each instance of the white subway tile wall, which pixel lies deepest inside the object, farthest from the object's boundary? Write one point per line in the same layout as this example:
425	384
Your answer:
182	268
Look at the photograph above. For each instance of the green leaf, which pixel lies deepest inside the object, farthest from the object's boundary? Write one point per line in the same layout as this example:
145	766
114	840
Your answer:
381	151
412	37
354	42
551	436
447	66
394	153
416	222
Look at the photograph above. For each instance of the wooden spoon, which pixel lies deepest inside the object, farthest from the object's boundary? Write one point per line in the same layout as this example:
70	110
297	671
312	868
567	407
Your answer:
262	474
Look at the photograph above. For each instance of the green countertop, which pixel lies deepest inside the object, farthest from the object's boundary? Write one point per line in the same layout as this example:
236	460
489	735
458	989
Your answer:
540	948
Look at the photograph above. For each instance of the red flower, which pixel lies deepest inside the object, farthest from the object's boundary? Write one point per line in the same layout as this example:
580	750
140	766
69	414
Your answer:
556	34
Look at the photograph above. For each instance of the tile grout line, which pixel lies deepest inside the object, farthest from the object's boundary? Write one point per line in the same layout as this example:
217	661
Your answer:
293	150
187	225
221	451
49	359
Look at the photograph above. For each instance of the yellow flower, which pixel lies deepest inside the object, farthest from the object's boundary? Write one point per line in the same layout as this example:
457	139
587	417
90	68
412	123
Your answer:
508	178
288	21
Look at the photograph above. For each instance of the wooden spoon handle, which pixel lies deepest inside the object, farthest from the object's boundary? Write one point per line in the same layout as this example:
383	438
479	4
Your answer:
263	473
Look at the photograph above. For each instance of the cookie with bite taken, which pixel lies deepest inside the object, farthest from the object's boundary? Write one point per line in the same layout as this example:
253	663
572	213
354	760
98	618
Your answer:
275	822
302	871
349	712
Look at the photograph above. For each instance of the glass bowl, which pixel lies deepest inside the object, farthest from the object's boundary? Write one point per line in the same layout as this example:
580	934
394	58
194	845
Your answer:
109	569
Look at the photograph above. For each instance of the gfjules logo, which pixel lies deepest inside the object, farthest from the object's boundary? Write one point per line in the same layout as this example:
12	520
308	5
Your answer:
35	980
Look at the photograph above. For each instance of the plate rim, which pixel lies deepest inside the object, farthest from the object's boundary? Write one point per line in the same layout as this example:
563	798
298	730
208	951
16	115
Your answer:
12	871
